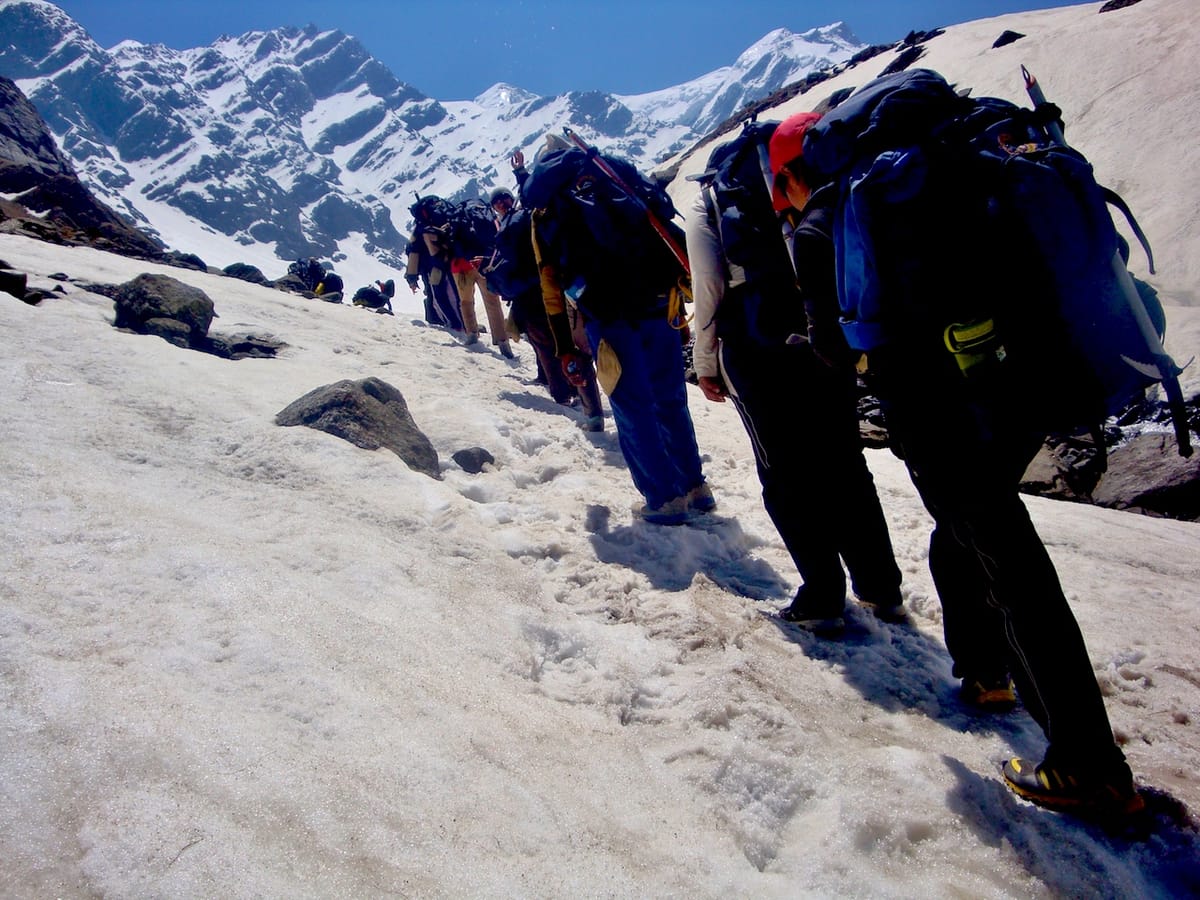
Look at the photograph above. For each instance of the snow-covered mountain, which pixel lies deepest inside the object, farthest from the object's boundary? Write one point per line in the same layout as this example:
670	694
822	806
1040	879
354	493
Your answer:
294	142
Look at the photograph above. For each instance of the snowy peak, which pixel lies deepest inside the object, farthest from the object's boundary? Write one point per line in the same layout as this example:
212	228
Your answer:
273	145
816	42
504	96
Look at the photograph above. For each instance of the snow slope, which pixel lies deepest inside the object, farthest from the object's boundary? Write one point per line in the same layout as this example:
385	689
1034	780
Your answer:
242	660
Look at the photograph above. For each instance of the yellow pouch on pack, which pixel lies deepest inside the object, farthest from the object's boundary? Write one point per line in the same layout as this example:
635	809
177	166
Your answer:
608	367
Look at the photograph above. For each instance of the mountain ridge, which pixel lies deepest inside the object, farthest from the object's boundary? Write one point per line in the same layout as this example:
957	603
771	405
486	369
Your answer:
295	141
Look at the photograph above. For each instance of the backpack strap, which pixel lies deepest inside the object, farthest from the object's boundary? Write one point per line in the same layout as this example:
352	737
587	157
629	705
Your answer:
1112	198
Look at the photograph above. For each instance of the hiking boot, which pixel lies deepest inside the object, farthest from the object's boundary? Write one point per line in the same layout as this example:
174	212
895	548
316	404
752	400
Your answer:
506	350
1058	789
700	498
988	694
591	423
822	616
673	512
888	607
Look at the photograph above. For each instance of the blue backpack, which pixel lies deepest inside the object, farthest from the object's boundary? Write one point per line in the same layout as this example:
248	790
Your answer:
964	227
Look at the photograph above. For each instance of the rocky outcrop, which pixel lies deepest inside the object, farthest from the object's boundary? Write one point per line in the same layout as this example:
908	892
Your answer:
1146	474
370	414
50	203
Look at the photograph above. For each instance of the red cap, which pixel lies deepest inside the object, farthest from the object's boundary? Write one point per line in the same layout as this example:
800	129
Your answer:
787	144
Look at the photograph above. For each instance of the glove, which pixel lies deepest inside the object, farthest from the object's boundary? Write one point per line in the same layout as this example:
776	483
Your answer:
413	281
577	367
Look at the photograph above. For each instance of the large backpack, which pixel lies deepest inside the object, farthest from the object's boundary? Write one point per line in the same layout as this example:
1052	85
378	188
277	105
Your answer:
472	229
309	270
431	211
761	302
963	228
513	268
607	253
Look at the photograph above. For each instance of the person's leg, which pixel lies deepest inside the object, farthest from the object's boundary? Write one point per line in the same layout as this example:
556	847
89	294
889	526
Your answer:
975	476
772	403
537	329
664	360
589	393
639	433
491	305
843	484
464	284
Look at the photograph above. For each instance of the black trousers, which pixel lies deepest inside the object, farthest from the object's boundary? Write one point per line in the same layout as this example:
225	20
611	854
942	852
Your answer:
1003	605
802	420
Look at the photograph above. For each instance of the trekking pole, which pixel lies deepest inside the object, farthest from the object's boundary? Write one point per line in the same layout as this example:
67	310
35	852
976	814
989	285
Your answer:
1168	370
654	221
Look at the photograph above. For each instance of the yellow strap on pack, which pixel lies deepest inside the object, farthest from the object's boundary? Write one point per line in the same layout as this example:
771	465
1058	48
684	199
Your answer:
680	294
973	343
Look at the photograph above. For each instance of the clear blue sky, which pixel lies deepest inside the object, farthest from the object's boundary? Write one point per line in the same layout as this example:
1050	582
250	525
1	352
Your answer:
455	49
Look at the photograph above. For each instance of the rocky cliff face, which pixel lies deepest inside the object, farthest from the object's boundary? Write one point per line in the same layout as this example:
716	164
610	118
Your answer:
47	200
300	142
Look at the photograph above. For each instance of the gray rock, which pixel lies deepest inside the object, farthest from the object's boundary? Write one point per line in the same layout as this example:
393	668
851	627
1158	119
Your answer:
369	414
1065	469
162	297
13	283
246	272
1006	38
293	283
1147	474
34	296
170	330
473	459
243	346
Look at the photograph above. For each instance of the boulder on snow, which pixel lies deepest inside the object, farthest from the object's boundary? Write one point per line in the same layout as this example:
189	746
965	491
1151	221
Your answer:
473	459
1006	38
1147	474
370	414
246	272
243	346
13	283
293	283
1065	468
183	260
143	303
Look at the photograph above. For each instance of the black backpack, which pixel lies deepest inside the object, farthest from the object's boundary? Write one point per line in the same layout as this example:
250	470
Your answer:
966	226
310	271
762	302
431	211
513	268
607	252
472	230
